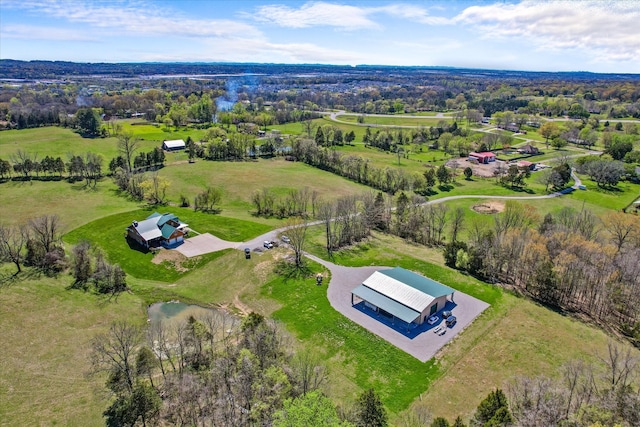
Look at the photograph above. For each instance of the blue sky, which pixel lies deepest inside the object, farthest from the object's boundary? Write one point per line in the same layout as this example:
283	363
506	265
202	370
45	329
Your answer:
598	36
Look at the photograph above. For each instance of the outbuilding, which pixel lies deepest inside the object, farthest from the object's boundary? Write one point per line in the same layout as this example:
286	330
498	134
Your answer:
483	158
173	145
402	294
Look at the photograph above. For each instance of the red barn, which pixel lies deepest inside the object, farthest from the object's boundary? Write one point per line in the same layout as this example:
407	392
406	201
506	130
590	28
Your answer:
484	157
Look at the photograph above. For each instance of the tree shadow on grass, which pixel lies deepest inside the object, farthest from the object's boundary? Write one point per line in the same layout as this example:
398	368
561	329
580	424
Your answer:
289	271
445	187
8	279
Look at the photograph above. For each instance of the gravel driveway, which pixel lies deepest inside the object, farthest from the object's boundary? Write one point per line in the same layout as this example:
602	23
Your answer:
203	244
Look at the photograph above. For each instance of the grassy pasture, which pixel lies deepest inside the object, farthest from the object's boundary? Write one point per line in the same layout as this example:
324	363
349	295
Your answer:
44	357
239	180
423	121
56	141
74	203
159	133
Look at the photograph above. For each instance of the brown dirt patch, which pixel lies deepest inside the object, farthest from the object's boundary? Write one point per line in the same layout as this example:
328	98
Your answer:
479	170
175	258
489	207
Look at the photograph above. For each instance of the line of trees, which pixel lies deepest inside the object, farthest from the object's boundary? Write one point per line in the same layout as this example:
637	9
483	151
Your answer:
355	168
297	202
572	260
78	167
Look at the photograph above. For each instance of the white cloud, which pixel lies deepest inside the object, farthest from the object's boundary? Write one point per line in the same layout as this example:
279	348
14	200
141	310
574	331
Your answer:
342	16
411	13
316	14
30	32
249	50
606	30
126	18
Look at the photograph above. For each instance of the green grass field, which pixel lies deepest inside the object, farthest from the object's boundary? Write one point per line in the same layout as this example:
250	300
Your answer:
424	121
44	357
159	133
239	180
56	141
48	327
74	203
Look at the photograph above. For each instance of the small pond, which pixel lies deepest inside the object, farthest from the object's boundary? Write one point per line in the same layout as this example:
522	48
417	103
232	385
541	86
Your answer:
175	311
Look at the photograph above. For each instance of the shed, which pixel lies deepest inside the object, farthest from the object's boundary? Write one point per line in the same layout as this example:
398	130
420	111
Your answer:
173	144
525	164
528	149
402	294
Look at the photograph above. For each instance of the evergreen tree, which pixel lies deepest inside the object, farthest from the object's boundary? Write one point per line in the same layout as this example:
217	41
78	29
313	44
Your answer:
88	121
493	411
468	173
371	412
459	423
440	422
320	138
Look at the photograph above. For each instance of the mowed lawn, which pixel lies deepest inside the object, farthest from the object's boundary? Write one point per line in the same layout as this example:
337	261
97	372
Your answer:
108	233
44	356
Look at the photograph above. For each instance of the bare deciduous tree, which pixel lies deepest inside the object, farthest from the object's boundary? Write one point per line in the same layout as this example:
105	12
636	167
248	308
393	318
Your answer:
128	144
12	243
114	353
297	232
46	229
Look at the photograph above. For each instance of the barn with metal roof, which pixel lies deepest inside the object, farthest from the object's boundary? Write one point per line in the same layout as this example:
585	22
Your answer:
173	144
402	294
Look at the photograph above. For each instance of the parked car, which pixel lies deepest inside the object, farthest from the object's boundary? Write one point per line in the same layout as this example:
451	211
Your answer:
451	321
247	253
433	319
446	314
285	239
268	244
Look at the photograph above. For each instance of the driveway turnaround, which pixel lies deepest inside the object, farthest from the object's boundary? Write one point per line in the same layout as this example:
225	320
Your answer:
422	346
203	244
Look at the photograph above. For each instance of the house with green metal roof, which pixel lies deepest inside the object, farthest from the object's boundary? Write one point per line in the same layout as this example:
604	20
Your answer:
402	294
158	230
